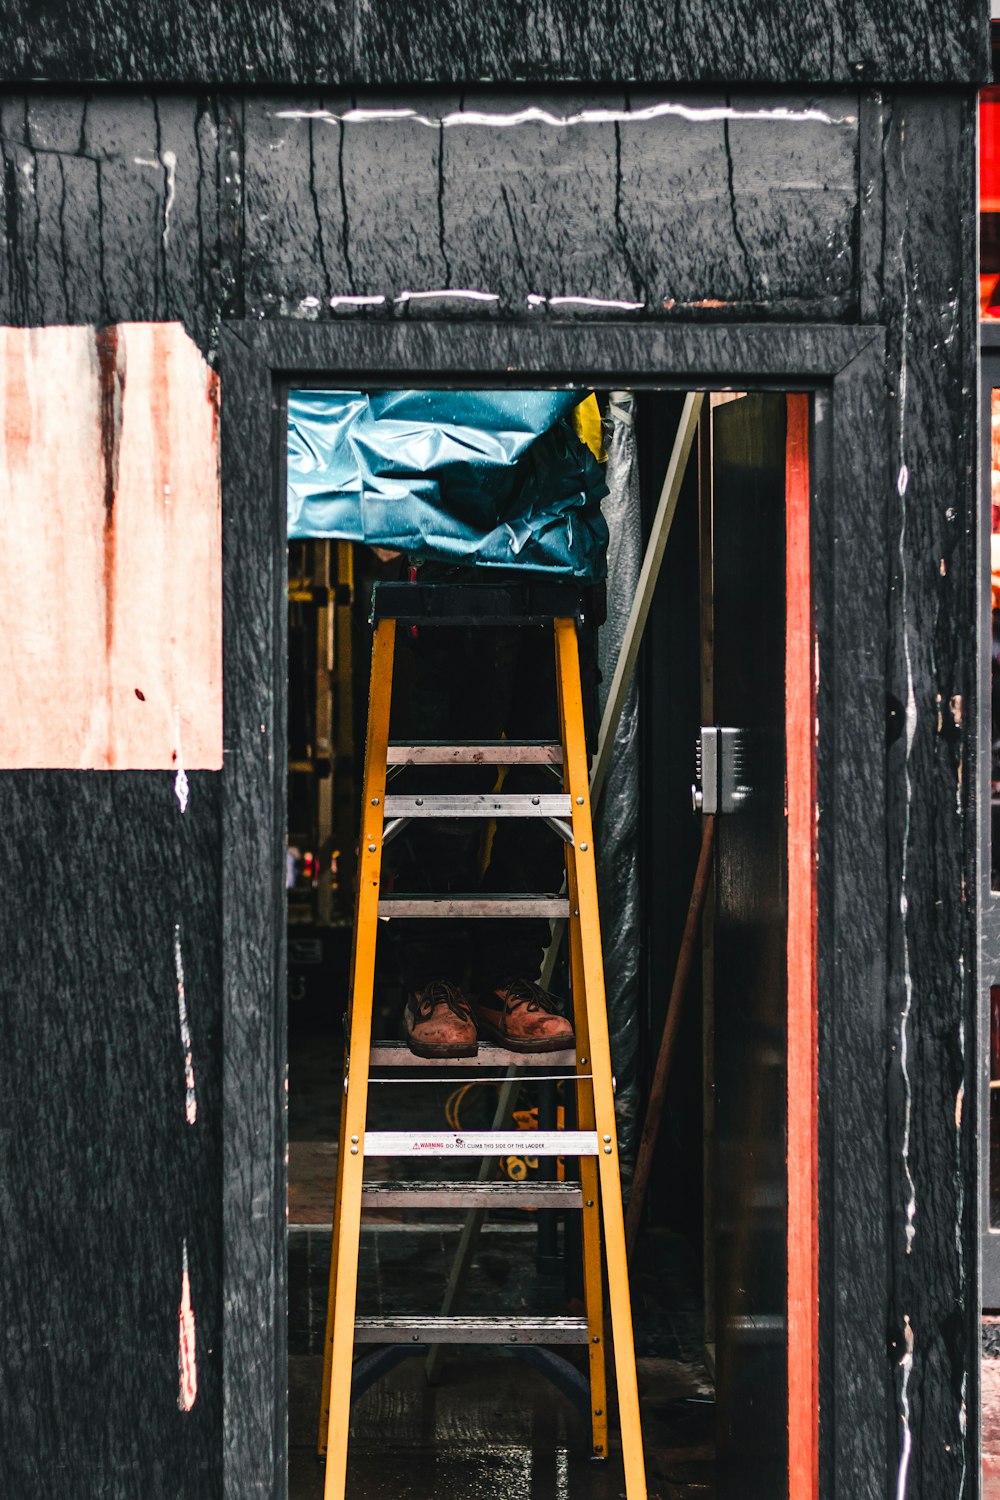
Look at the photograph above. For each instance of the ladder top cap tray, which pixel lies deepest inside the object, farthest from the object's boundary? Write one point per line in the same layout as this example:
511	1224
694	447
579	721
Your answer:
527	603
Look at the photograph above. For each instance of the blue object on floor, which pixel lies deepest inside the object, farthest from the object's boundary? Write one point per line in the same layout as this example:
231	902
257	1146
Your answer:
495	479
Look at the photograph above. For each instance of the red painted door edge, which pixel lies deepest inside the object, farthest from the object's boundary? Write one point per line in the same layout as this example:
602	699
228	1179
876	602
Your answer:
803	1156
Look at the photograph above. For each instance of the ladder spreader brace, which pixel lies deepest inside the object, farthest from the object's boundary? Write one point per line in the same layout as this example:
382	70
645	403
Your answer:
597	1196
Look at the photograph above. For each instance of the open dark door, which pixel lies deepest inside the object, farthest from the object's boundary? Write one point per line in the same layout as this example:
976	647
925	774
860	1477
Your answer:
750	1064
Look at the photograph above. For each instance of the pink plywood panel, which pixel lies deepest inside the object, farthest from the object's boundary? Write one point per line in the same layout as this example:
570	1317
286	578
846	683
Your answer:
110	553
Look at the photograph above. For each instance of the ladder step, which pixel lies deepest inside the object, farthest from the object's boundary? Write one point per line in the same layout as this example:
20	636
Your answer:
380	1143
499	905
480	604
501	1194
398	1055
523	1329
475	753
491	805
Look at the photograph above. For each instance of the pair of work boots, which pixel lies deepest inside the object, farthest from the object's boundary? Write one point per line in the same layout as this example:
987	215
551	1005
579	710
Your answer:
441	1020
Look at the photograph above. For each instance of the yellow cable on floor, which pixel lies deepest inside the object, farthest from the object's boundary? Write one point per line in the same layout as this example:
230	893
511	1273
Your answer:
454	1101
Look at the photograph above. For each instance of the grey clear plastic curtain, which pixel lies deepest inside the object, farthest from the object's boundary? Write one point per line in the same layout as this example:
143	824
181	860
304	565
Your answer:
617	817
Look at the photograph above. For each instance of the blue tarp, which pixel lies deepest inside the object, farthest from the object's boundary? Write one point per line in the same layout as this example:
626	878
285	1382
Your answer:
496	479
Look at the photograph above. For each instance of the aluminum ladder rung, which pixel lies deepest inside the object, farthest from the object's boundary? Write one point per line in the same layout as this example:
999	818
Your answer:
500	1194
475	753
490	1055
499	906
379	1143
522	1329
469	805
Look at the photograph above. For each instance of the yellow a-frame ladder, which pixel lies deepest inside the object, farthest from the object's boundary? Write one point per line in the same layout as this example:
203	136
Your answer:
594	1140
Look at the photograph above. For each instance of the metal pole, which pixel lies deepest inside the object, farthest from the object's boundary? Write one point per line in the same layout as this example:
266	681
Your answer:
658	1091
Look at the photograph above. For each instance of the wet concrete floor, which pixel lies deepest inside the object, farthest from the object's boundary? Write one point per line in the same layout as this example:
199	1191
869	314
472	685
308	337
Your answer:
495	1429
493	1426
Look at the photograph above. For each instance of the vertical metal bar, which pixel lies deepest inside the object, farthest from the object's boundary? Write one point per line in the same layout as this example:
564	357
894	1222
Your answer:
587	920
350	1167
343	597
675	1006
547	1248
344	797
323	748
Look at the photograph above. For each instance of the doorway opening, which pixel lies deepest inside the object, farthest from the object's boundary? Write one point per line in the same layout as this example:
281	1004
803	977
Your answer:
724	1276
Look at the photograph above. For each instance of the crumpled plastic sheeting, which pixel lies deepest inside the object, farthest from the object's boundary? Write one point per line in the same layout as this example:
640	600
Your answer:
617	818
493	478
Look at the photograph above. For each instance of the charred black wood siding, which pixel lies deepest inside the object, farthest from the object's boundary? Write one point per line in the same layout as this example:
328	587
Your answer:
157	207
926	259
150	202
119	207
754	215
403	42
105	1185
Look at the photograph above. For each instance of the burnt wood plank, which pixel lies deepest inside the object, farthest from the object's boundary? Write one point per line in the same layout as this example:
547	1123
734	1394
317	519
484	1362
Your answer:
294	250
114	41
105	1181
133	207
404	42
254	1185
929	303
671	355
752	212
121	208
532	210
576	205
871	204
850	580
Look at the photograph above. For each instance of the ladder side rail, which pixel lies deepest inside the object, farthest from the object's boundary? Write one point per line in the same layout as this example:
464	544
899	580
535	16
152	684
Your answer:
585	1115
584	877
593	1280
331	1299
350	1166
593	1274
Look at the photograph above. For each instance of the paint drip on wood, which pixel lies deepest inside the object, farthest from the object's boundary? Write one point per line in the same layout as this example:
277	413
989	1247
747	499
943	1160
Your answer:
111	569
187	1352
187	1046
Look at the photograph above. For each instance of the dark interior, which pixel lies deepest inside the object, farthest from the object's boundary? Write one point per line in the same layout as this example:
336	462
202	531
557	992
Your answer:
503	1427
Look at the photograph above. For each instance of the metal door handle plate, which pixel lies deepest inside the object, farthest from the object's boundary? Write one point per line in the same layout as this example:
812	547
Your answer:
720	763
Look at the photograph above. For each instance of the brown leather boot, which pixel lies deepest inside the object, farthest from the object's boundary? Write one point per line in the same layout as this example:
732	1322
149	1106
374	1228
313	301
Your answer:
520	1015
438	1021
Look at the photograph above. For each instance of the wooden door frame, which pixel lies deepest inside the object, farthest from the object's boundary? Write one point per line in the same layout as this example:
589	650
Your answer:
842	368
802	1060
989	900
